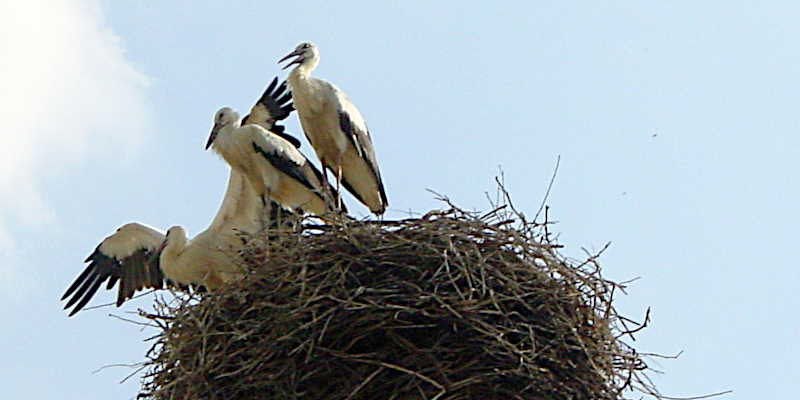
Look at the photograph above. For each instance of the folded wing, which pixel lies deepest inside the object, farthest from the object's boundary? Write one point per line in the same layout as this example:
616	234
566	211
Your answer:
361	173
303	185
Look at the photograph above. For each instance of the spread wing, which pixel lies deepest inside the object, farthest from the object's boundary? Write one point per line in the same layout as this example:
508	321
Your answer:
129	257
274	105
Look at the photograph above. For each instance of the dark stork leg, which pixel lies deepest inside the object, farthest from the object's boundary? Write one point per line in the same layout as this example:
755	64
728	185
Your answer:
269	208
268	218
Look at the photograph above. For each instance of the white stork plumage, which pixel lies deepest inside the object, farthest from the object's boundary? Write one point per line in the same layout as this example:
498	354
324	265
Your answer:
273	165
336	130
138	256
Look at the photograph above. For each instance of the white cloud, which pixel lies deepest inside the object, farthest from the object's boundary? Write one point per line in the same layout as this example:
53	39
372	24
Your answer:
68	94
13	282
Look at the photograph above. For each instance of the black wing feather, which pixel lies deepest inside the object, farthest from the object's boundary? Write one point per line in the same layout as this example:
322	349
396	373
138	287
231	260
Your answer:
286	166
276	105
87	297
84	287
295	171
353	133
78	281
139	270
321	179
276	101
271	85
111	281
346	125
289	138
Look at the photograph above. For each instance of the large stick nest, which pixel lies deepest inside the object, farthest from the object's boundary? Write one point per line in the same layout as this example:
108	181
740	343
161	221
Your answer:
452	305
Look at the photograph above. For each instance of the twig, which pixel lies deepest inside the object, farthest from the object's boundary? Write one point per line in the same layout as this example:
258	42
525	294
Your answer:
707	396
365	382
114	303
549	187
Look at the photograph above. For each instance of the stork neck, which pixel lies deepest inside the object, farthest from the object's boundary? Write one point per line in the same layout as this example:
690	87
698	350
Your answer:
305	68
172	251
224	136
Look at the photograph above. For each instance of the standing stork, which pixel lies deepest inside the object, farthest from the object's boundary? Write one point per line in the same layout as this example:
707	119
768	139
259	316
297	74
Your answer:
275	168
336	130
138	256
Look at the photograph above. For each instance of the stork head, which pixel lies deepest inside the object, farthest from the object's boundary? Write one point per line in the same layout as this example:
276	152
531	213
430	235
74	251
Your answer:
175	234
307	53
224	117
174	242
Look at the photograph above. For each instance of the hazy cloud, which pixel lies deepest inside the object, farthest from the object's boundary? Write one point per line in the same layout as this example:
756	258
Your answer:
66	86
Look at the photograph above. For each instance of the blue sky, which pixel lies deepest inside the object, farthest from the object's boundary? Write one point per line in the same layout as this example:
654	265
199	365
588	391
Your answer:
676	124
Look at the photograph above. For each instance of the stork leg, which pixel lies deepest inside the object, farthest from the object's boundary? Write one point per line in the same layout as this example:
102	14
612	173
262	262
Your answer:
268	208
338	187
325	172
326	183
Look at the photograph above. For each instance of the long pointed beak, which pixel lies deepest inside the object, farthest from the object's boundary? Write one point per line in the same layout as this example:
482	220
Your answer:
162	246
298	60
156	255
213	135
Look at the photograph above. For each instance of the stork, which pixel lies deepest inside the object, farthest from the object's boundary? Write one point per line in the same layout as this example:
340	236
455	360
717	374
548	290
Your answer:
336	130
138	256
275	168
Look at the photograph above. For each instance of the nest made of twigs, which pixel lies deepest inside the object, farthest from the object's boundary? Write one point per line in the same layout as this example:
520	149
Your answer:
451	305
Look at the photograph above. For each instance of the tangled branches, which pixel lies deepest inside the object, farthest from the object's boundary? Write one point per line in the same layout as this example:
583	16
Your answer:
451	305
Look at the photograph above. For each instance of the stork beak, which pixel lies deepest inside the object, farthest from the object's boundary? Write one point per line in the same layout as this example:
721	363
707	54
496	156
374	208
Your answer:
298	60
213	134
156	255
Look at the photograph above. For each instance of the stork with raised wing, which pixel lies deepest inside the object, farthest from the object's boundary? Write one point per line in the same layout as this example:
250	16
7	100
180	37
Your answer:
336	130
137	256
275	168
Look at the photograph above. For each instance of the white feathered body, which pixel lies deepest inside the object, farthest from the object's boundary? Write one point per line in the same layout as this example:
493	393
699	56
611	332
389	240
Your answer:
235	144
209	259
319	104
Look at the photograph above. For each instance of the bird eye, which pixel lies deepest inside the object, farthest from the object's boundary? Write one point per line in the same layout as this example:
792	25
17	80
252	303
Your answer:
305	45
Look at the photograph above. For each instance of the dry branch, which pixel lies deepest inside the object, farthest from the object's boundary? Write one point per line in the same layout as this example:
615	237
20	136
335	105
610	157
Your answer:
451	305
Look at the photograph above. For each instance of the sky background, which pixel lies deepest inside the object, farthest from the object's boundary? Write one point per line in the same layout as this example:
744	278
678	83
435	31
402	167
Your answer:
676	123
